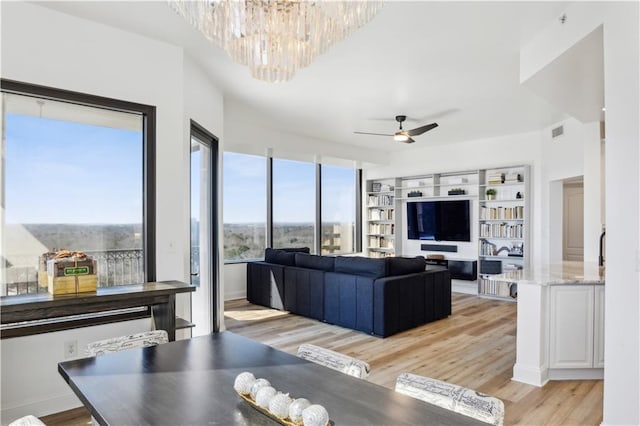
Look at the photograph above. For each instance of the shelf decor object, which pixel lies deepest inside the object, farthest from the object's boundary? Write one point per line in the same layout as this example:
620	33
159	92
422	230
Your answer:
456	191
279	406
276	38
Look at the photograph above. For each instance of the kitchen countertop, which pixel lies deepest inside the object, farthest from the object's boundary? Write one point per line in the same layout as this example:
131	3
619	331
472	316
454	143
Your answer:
588	273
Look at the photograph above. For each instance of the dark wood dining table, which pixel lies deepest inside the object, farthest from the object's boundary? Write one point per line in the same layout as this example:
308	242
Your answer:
190	382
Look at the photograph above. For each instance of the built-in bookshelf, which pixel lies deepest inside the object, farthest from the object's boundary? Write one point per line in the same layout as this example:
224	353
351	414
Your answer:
503	230
501	214
381	218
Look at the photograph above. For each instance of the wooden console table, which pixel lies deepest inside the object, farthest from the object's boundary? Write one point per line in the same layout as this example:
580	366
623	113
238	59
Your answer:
40	313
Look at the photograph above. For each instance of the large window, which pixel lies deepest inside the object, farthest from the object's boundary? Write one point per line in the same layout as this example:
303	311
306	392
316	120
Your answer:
294	204
323	215
245	206
338	229
73	177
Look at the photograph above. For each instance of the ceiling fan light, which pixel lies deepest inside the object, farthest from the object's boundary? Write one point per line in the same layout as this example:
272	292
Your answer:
400	137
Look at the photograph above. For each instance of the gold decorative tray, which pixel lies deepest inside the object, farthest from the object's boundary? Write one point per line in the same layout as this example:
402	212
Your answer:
266	412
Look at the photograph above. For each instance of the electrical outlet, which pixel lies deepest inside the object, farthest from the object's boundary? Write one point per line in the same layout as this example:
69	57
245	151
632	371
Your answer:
71	349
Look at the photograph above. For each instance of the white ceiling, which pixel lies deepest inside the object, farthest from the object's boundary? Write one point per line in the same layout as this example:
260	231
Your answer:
456	63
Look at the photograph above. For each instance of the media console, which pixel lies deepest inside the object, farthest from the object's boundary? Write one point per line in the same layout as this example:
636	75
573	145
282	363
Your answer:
459	269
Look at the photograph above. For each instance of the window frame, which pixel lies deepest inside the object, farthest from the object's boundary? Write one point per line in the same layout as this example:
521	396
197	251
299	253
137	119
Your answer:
318	213
148	114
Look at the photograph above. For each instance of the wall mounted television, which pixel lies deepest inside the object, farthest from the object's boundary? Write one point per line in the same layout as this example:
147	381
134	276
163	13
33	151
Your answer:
439	220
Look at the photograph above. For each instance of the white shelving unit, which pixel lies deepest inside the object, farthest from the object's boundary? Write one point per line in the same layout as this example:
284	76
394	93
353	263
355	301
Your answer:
503	230
380	213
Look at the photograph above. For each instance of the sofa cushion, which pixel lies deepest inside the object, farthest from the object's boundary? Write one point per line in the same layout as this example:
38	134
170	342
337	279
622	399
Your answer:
311	261
363	266
279	257
296	249
405	265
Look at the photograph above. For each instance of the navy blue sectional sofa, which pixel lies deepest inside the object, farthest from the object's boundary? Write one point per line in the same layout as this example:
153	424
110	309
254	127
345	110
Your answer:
377	296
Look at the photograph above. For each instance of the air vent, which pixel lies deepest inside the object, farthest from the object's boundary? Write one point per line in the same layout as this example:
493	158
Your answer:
558	131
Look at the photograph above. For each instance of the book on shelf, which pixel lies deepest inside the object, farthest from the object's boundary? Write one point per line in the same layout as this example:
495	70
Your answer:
380	200
386	214
505	213
496	178
501	230
513	178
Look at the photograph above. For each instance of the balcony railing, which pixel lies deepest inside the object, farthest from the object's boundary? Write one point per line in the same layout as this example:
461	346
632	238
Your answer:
115	267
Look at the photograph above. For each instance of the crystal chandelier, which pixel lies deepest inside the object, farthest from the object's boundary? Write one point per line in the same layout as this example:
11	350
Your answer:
275	38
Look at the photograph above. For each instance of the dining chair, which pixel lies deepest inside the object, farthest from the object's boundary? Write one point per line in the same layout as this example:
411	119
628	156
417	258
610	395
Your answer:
452	397
335	360
27	421
117	344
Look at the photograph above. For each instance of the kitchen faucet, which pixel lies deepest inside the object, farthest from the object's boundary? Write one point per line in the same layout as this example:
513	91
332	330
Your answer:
601	257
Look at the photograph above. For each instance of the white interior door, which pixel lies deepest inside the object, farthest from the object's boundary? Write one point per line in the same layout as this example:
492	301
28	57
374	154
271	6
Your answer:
573	222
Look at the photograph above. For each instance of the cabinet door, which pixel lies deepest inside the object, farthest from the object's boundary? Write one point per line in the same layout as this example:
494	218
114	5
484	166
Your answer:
571	326
598	323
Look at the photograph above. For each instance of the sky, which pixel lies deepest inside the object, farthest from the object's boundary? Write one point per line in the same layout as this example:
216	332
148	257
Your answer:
245	191
65	172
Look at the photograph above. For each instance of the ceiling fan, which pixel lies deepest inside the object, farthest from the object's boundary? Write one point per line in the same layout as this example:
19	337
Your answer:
404	135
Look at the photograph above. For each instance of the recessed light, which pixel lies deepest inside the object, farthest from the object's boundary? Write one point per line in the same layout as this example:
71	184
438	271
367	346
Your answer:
604	109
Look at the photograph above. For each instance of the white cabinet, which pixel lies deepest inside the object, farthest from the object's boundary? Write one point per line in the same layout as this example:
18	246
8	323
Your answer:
576	326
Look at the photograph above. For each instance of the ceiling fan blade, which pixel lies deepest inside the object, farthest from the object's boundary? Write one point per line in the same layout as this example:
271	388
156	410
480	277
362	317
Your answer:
375	134
410	140
420	130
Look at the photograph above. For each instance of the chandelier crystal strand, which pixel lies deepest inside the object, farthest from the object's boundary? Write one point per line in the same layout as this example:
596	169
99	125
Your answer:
276	38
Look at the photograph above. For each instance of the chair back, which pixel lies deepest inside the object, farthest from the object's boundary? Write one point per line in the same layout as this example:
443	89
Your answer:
452	397
117	344
334	360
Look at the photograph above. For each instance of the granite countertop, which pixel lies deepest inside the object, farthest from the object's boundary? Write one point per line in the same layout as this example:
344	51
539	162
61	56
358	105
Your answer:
560	274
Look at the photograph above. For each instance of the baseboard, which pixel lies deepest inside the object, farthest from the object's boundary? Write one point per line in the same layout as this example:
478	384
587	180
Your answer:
233	295
40	408
531	376
576	373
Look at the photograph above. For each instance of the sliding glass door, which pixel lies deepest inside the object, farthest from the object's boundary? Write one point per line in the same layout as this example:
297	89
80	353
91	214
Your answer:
203	231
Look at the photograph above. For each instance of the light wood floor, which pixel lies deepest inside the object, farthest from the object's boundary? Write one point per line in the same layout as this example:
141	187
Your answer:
474	347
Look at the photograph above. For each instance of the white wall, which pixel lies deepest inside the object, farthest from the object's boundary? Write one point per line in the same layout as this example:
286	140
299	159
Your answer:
247	132
551	161
235	278
45	47
575	153
621	87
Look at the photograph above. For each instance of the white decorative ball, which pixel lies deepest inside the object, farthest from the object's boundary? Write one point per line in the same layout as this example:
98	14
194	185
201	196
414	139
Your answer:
315	415
279	405
264	396
244	382
296	408
257	385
